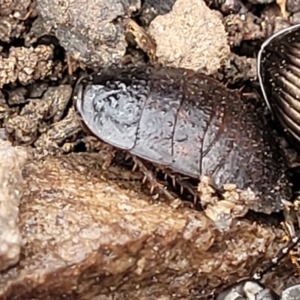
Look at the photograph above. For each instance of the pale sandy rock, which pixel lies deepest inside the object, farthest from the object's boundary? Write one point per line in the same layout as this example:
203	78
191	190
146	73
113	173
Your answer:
27	65
13	14
190	36
11	187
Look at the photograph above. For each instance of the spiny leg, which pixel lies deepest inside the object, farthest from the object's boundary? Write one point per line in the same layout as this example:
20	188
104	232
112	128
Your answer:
111	152
183	185
293	242
70	64
148	175
294	255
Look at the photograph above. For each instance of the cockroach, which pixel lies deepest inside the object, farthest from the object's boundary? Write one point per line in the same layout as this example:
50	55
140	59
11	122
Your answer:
188	123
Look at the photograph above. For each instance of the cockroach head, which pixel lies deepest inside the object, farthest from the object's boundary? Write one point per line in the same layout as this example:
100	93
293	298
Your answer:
111	110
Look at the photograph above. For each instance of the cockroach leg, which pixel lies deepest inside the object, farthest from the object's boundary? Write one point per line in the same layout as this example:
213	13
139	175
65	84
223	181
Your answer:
148	175
251	288
70	64
280	255
182	182
111	151
184	185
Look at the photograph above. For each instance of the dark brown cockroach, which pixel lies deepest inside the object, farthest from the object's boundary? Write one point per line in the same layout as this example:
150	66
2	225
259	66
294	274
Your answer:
278	68
188	123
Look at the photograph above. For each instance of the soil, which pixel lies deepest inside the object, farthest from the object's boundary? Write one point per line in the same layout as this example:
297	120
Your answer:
77	228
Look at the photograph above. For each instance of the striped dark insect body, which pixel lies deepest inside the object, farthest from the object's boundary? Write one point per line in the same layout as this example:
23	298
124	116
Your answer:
252	289
278	67
188	123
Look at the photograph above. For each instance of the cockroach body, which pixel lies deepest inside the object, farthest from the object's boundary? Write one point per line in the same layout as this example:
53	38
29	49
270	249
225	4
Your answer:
189	123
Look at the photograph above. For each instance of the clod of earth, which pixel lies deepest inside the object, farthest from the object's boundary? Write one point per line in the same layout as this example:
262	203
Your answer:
205	48
94	35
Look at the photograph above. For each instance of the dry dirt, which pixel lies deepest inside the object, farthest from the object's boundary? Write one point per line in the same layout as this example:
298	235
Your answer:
72	230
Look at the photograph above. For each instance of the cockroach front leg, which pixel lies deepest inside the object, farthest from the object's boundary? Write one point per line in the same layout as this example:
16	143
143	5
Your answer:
183	184
148	175
111	151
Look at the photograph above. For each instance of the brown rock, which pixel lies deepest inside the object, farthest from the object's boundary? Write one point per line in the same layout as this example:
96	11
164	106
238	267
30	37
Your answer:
13	13
86	238
11	188
190	36
27	64
35	116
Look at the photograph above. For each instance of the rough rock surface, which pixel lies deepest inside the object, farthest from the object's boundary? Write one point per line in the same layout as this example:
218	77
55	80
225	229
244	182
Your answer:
13	13
11	188
85	238
191	36
33	120
91	32
28	64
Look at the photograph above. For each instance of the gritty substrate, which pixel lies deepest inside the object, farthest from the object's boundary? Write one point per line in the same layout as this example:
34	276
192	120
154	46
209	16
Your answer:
84	237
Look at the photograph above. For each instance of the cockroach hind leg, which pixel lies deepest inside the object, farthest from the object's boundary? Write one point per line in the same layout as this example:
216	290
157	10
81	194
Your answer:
135	167
110	156
184	185
150	177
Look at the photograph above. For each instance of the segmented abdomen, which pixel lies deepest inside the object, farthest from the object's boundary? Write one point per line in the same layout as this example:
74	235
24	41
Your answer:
188	122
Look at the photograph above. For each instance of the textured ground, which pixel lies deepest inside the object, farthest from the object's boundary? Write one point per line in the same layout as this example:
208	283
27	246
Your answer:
71	230
84	237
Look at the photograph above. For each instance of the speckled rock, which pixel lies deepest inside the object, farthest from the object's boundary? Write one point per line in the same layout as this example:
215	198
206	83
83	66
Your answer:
90	31
191	36
35	116
13	14
28	64
11	188
86	238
